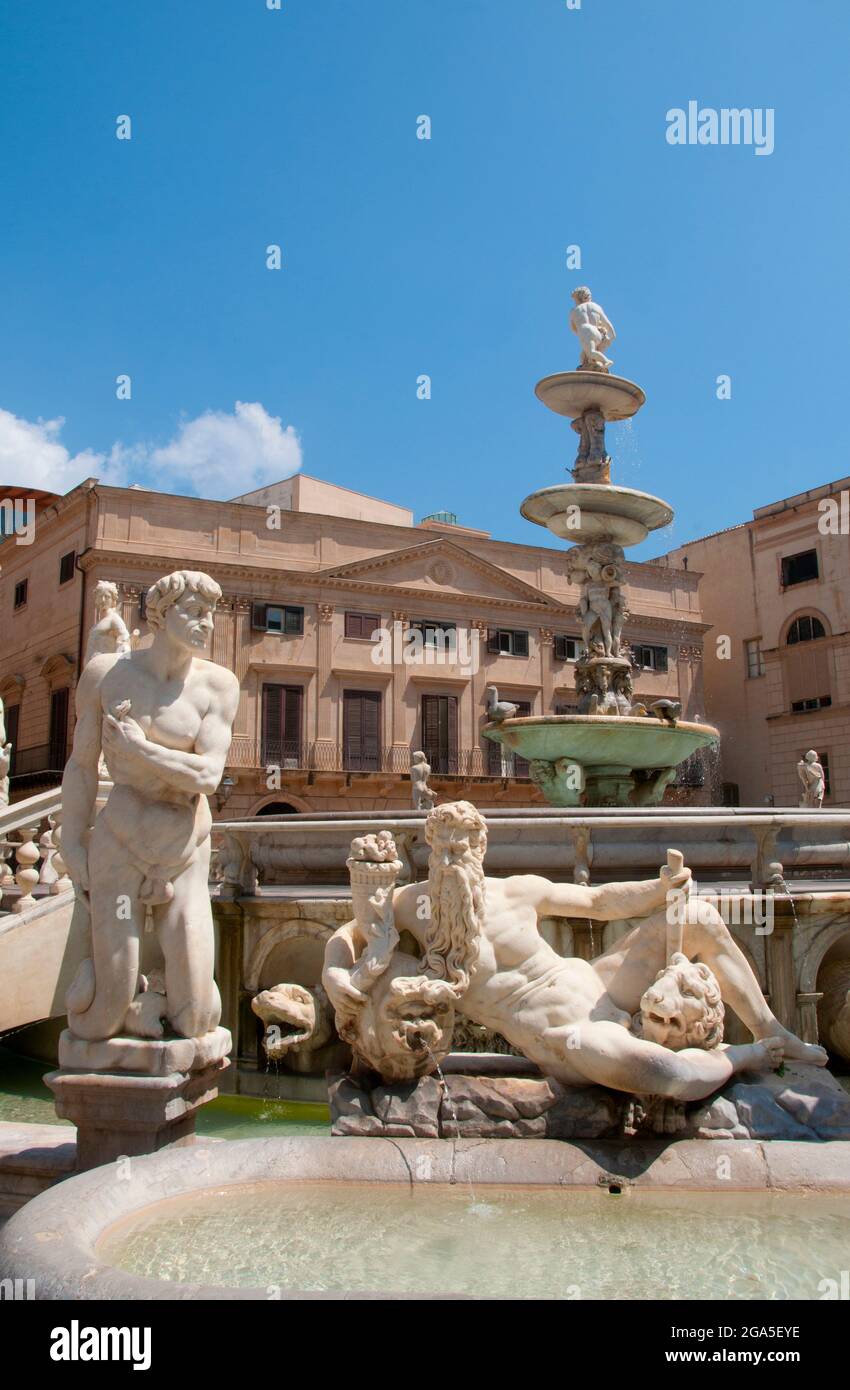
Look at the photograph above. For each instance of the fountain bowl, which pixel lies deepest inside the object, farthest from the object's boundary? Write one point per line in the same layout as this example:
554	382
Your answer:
571	393
594	511
608	748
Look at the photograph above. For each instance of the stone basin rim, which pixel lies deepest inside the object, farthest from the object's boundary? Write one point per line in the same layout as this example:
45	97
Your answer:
53	1238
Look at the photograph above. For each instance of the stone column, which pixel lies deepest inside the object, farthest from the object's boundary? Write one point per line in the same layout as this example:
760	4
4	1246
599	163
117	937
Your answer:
400	750
547	670
477	685
807	1006
326	729
781	982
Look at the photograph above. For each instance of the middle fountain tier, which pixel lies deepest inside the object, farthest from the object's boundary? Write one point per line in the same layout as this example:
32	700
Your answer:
613	752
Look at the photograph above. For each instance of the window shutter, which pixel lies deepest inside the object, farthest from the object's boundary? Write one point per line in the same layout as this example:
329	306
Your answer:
293	621
12	723
272	722
58	729
520	644
293	700
559	648
430	724
493	642
353	625
143	605
258	616
361	730
661	658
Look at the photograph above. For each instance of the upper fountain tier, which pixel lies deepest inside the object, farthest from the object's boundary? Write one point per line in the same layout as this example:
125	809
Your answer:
592	508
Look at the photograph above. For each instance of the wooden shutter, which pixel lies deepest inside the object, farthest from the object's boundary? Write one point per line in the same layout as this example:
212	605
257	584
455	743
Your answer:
439	732
258	616
559	648
520	644
272	724
58	751
808	673
661	658
493	642
353	625
282	716
361	730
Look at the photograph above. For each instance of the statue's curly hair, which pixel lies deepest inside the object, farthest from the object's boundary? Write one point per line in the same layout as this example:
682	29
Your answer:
168	590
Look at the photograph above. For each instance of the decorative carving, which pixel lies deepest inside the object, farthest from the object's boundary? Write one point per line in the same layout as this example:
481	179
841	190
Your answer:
326	612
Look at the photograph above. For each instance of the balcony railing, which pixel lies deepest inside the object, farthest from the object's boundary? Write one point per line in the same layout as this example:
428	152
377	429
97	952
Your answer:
317	756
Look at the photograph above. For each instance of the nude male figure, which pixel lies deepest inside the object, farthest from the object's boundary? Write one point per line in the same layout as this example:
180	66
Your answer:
481	938
163	717
594	330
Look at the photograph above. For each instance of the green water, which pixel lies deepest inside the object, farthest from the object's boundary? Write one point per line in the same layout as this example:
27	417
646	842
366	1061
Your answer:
532	1243
25	1099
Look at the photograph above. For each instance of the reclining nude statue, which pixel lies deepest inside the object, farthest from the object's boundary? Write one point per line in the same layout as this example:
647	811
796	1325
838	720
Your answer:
640	1018
162	716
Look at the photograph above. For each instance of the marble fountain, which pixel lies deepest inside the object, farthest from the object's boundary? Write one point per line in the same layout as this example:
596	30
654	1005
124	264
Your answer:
606	1094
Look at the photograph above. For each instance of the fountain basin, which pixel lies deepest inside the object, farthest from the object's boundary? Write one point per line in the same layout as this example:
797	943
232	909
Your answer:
594	511
405	1218
608	748
571	393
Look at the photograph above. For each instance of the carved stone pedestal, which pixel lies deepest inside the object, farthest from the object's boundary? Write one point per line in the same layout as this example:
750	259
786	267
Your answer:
142	1103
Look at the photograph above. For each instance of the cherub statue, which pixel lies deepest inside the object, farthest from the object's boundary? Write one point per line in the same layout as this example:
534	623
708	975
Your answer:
594	331
811	774
374	867
420	771
109	636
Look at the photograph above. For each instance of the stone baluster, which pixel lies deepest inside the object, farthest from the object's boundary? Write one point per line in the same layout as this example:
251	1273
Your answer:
7	878
62	882
27	854
47	873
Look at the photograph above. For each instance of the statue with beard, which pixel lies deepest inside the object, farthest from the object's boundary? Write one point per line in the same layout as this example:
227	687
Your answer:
482	952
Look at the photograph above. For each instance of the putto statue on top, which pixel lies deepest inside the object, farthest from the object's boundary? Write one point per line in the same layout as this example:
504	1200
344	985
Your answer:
813	779
162	716
594	330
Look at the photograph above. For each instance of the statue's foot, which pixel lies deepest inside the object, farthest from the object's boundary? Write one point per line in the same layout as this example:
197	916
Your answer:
795	1050
144	1017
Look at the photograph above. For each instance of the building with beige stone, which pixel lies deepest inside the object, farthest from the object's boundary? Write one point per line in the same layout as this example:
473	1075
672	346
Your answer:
310	572
776	591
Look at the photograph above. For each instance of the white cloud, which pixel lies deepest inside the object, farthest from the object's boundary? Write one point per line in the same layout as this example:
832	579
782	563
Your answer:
221	455
214	455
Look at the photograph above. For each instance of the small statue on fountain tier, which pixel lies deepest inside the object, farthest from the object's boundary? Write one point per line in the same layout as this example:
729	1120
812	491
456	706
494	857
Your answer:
592	464
811	774
594	331
422	795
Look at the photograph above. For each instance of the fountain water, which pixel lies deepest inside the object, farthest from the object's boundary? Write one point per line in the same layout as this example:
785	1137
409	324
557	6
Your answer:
613	752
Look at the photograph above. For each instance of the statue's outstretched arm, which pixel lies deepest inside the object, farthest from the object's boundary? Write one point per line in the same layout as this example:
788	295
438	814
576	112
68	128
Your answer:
611	1056
613	902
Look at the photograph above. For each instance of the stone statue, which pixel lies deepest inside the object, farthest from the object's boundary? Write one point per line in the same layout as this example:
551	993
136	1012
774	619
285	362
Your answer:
298	1023
592	464
5	759
109	635
373	867
594	331
483	953
811	774
597	568
420	771
163	717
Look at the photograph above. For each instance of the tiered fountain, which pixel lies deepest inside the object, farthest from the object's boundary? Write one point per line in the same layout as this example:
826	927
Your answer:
613	752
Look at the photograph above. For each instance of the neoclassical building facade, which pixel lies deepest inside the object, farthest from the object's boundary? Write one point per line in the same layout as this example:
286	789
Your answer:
358	636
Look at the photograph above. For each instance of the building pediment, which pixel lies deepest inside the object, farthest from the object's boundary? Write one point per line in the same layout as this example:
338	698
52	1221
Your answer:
442	568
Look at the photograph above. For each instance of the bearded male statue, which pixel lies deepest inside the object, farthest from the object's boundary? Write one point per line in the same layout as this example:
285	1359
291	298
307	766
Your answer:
162	715
481	948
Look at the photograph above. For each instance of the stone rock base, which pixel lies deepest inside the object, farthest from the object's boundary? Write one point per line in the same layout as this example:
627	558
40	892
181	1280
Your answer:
143	1056
121	1115
805	1103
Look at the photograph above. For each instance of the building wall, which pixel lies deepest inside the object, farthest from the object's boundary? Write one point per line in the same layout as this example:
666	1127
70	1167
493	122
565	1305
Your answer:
743	597
329	565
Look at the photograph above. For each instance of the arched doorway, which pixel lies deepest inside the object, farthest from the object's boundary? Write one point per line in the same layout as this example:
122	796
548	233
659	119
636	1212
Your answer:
278	808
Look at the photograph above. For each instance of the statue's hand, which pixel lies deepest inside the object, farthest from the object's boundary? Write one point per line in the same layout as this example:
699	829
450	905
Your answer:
675	880
76	861
122	735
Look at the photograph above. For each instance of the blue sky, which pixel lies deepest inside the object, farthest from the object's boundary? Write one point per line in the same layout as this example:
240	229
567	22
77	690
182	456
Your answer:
404	257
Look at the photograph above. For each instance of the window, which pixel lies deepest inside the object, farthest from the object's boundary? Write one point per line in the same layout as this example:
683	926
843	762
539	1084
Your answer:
824	762
507	642
288	622
66	567
806	629
799	569
21	592
566	709
650	658
755	658
731	794
502	761
143	606
58	750
361	625
439	733
805	706
435	633
282	710
566	648
361	730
